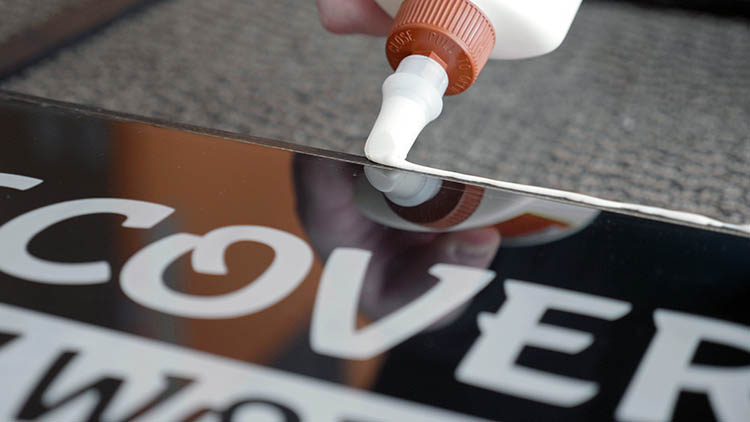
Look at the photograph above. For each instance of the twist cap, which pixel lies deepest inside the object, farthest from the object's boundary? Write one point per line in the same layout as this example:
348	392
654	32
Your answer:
455	33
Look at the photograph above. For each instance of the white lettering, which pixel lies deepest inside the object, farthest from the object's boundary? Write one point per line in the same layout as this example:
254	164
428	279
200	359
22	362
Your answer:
17	182
490	363
16	234
667	369
141	277
227	386
333	330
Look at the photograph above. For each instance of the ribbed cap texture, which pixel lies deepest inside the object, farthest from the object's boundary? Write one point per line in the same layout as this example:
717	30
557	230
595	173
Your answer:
456	31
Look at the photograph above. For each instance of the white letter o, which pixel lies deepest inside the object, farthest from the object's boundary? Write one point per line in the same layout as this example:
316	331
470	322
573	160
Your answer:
141	277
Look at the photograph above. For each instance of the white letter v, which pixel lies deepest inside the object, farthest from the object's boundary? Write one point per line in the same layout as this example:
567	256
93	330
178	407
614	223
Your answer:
334	330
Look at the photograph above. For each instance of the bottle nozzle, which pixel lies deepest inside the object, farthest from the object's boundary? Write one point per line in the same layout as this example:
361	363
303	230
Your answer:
438	47
412	98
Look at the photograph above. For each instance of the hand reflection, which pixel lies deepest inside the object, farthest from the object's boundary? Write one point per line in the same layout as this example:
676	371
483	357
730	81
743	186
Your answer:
400	260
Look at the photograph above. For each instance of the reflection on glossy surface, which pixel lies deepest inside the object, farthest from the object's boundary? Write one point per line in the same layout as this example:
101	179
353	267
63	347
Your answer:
463	301
414	202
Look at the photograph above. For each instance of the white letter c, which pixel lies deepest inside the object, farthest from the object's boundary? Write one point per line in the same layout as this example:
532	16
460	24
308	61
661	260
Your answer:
16	234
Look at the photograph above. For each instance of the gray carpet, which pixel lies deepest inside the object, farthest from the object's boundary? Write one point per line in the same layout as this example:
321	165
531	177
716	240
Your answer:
16	15
640	105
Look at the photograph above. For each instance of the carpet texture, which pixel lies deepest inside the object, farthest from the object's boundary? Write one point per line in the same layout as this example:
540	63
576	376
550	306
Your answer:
17	15
642	105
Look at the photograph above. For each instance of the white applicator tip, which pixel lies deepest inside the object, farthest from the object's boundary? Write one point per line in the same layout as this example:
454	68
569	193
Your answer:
412	98
380	147
402	188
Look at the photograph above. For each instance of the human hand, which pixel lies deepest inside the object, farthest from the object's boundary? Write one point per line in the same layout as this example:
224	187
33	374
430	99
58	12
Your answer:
398	270
353	16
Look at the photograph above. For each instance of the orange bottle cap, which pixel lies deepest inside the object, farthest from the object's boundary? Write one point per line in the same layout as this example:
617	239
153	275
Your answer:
454	33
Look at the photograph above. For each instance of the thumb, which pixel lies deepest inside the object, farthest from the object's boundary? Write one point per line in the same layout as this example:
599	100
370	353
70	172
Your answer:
472	248
407	274
353	16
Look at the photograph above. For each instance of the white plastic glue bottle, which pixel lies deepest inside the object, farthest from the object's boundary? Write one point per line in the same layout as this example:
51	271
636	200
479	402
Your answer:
438	47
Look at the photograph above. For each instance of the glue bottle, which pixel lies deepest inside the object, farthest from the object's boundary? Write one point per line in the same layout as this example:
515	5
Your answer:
439	47
415	202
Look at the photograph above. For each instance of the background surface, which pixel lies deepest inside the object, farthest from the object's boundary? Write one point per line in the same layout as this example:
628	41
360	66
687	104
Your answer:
641	104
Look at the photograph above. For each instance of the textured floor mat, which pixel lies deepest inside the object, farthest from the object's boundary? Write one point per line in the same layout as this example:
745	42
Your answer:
639	104
18	15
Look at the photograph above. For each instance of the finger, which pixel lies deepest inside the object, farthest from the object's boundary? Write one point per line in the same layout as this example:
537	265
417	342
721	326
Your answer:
326	207
353	16
472	248
404	275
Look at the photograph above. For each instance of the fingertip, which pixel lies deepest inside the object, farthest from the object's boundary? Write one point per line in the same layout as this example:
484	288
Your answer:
480	236
353	16
475	247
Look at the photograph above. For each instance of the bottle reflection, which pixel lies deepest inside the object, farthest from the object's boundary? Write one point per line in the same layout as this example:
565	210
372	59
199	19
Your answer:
330	206
335	213
410	201
410	222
